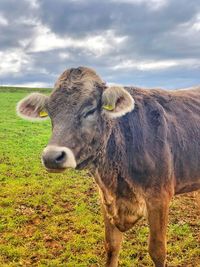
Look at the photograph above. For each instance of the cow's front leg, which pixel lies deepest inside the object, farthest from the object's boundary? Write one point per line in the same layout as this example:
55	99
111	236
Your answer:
157	209
113	240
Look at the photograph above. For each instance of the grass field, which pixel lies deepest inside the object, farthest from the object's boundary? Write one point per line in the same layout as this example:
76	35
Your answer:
55	219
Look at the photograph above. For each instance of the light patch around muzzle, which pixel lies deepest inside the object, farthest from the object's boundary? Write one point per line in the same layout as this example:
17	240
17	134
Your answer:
70	161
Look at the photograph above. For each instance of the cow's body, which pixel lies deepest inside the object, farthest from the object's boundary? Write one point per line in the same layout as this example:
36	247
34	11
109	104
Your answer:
163	152
141	159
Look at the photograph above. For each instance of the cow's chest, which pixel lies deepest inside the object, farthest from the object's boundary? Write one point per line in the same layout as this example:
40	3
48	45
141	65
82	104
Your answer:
123	210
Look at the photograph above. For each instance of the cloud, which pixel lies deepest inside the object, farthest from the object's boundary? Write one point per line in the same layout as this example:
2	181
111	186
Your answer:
151	4
98	45
12	61
3	21
157	65
127	41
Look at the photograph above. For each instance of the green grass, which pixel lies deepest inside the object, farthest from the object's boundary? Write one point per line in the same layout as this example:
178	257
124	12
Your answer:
55	219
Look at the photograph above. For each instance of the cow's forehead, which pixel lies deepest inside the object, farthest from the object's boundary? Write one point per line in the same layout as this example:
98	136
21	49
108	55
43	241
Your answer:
81	78
74	86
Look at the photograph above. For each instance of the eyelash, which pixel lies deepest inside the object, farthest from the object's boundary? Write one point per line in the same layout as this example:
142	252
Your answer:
90	112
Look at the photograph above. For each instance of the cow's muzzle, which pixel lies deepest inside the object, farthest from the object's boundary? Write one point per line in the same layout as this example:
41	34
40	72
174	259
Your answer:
58	158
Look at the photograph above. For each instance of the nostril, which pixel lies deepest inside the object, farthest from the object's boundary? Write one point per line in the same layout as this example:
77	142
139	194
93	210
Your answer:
61	157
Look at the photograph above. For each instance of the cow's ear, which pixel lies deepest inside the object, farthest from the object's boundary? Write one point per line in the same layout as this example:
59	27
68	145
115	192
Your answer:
33	107
116	101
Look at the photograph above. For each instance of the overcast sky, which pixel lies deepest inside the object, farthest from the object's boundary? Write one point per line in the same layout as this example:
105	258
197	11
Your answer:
151	43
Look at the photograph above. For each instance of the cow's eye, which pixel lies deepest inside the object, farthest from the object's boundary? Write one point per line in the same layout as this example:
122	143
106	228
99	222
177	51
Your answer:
89	112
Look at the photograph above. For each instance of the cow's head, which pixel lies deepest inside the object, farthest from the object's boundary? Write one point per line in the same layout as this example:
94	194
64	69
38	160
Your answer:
81	109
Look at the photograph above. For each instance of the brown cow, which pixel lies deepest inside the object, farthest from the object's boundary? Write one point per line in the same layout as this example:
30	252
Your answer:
142	147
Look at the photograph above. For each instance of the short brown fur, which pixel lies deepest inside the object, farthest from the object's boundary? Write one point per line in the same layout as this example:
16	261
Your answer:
139	161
